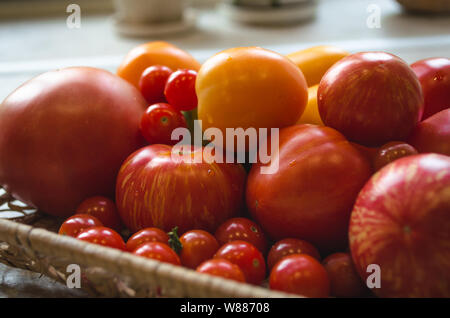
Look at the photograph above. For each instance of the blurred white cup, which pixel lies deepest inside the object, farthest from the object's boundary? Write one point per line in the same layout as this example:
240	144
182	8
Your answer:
149	11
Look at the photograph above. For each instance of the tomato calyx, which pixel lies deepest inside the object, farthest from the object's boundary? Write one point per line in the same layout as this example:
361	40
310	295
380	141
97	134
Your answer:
174	240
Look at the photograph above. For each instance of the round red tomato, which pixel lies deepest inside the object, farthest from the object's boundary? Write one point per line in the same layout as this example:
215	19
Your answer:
434	77
222	268
158	251
247	257
150	234
103	209
102	236
152	83
197	247
242	229
180	90
77	223
300	274
390	152
311	195
290	246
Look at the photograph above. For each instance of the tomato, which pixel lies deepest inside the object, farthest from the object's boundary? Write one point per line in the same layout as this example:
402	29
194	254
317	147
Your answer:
315	61
102	236
311	195
158	251
197	247
242	229
401	223
77	223
102	208
159	121
392	151
434	77
371	98
300	274
152	83
311	114
247	257
180	90
149	234
154	53
64	135
368	152
221	268
290	246
155	190
344	279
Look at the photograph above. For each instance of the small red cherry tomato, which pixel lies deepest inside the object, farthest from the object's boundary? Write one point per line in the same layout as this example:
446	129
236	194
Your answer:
197	247
290	246
102	236
300	274
158	251
221	268
103	209
247	257
392	151
242	229
158	122
152	83
180	90
150	234
77	223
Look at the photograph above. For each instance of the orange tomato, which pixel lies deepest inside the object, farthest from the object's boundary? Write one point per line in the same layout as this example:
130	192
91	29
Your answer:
154	53
315	61
311	114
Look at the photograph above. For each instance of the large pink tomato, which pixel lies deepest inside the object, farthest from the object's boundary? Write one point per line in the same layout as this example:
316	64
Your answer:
371	97
154	190
311	195
64	135
401	223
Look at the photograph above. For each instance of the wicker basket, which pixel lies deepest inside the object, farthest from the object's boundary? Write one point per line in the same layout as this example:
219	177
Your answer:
426	6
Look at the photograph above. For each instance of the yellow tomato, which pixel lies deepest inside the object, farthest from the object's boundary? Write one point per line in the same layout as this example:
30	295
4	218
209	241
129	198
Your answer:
311	114
315	61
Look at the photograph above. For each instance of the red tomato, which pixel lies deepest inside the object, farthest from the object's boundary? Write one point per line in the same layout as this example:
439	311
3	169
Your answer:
180	90
242	229
102	236
311	195
150	234
371	98
300	274
197	247
158	251
155	190
344	279
159	121
222	268
152	83
103	209
392	151
77	223
290	246
434	77
401	223
247	257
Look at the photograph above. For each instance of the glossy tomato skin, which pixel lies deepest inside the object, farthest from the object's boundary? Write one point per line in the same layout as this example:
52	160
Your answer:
311	195
311	114
198	246
152	83
64	135
222	268
400	222
300	274
102	236
158	251
150	234
290	246
78	223
392	151
180	90
242	229
155	191
434	77
433	134
247	257
371	98
103	209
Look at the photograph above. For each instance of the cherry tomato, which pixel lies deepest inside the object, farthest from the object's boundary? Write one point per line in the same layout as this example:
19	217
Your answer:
102	236
149	234
221	268
392	151
344	279
103	209
158	251
158	122
290	246
247	257
242	229
152	83
300	274
197	247
77	223
180	90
